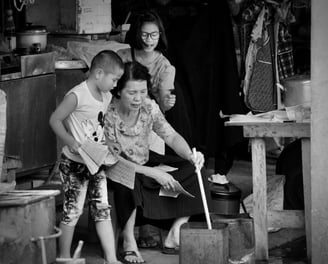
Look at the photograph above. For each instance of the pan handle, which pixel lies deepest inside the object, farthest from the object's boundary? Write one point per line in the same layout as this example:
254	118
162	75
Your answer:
57	234
43	247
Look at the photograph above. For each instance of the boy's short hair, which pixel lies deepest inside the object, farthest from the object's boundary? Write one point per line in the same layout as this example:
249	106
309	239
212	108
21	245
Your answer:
107	60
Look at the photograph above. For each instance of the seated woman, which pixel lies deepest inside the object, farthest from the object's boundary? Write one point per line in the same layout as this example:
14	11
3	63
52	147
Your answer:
148	44
130	118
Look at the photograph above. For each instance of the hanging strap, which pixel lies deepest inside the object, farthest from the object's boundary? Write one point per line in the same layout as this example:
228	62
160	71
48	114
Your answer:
133	54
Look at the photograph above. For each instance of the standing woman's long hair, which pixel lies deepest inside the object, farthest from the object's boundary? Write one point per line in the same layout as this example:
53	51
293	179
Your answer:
133	36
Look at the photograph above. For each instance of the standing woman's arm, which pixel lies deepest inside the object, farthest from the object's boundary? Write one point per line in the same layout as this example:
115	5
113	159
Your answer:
165	86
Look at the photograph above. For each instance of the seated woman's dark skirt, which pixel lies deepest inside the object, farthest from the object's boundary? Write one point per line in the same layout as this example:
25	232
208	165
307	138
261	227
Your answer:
159	210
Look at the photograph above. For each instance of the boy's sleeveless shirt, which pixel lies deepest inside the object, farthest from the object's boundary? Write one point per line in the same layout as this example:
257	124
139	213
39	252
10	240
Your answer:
86	121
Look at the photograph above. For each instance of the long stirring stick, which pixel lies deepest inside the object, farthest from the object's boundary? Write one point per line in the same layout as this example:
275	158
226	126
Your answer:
201	186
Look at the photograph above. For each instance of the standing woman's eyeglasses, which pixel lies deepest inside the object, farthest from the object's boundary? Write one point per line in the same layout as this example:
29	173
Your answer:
153	35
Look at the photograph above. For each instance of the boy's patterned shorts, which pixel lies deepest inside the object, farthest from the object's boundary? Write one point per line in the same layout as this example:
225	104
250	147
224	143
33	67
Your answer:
77	184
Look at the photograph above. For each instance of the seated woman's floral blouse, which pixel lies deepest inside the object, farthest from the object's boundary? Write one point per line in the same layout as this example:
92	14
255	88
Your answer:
132	142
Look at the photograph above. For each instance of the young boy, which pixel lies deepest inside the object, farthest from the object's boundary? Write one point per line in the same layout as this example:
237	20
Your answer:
77	118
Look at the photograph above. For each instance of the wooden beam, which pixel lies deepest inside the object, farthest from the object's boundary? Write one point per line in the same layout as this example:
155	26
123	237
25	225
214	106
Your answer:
306	171
270	130
286	219
260	199
319	128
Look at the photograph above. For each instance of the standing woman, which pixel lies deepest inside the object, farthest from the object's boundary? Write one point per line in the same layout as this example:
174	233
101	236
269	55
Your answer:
147	41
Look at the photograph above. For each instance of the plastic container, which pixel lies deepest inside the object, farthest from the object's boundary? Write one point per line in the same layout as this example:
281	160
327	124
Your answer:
241	239
199	245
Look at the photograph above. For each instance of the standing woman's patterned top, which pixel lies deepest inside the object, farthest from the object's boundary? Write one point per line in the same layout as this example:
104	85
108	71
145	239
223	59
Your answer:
132	142
161	71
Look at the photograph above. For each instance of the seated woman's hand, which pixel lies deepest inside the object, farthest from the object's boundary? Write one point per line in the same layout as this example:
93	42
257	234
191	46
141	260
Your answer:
165	180
197	159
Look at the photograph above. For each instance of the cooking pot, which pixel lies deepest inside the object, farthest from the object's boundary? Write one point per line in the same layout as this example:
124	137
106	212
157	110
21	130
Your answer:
297	90
225	198
32	38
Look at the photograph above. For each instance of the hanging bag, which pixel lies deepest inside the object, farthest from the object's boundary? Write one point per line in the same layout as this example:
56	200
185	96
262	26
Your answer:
259	85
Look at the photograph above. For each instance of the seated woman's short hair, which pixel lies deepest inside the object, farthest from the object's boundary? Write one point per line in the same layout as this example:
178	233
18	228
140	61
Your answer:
133	71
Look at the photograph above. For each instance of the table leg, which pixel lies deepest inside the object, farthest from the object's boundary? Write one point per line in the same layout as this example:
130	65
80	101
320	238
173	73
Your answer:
306	163
260	198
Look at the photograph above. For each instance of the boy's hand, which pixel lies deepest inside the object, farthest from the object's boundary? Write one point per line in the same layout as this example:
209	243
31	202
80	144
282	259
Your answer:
74	148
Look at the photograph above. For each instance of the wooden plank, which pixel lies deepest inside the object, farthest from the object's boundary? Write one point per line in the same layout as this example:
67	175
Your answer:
70	261
12	162
24	197
297	130
319	140
5	187
260	199
271	129
306	167
286	219
36	192
3	129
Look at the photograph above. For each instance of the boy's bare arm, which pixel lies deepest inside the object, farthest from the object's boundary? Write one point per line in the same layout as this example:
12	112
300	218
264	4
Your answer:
66	107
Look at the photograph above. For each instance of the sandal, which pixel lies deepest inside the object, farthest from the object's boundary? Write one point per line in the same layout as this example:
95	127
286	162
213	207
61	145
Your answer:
171	250
147	242
130	253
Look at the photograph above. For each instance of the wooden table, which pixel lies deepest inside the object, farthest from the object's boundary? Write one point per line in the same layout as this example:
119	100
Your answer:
257	132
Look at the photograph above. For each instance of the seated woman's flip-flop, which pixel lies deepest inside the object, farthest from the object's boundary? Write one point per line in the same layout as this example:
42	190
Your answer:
171	250
130	253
